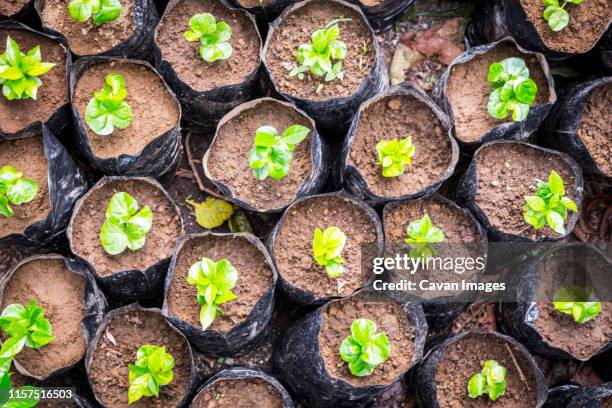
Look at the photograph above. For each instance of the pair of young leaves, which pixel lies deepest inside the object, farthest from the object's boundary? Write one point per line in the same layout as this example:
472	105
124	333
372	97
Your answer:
513	90
213	36
579	302
19	72
421	233
364	349
126	225
108	109
556	15
490	381
394	155
15	189
100	11
327	247
153	368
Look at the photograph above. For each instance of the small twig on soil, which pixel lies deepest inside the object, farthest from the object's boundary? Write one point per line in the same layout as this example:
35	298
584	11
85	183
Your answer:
518	368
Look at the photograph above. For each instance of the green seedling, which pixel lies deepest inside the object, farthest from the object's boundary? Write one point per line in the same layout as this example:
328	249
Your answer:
421	233
327	247
490	381
213	36
549	205
394	156
556	15
579	302
26	396
364	349
126	226
100	11
153	368
108	109
19	72
214	282
513	90
324	55
15	189
271	154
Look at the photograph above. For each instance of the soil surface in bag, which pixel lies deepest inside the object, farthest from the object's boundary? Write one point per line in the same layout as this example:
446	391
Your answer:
468	91
184	56
52	94
10	7
398	117
586	23
389	317
117	347
595	130
160	240
254	3
228	157
506	173
60	293
293	245
154	110
28	156
464	358
88	38
239	393
254	279
296	29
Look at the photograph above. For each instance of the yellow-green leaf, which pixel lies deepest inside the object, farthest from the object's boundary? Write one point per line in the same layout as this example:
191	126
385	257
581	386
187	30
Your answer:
212	213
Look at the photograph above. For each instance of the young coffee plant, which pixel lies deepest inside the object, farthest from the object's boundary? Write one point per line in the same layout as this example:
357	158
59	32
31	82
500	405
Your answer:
324	55
108	109
490	381
15	189
100	11
213	36
126	226
214	282
579	302
271	154
152	369
421	233
513	90
364	349
19	72
327	247
394	156
556	15
549	205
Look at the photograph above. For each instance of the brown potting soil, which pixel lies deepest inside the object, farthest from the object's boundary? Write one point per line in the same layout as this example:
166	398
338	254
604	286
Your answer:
254	3
239	393
468	90
506	173
371	3
293	246
117	348
149	121
389	317
606	402
184	56
254	279
586	24
297	28
228	158
52	94
465	357
60	293
90	217
89	38
594	129
397	117
28	156
10	7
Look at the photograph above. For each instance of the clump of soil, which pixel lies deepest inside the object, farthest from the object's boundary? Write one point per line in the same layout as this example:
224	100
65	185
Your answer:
254	279
293	245
506	173
464	358
185	56
388	118
52	94
228	157
389	317
60	293
28	156
117	347
10	7
149	121
254	3
239	393
468	90
89	38
296	29
583	30
90	216
595	129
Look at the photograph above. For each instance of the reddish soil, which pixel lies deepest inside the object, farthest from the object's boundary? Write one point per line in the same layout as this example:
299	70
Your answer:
239	393
10	7
595	130
254	3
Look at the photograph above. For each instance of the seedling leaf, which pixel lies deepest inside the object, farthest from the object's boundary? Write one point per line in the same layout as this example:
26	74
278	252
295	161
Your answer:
126	226
364	349
15	189
421	233
490	381
152	369
327	247
212	213
100	11
108	109
512	89
394	155
213	36
579	302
